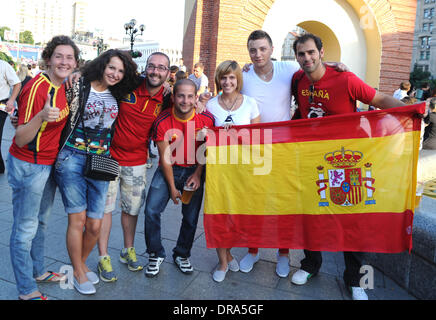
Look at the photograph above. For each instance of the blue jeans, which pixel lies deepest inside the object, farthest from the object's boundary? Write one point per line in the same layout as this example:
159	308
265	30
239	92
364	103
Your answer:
157	199
33	190
78	192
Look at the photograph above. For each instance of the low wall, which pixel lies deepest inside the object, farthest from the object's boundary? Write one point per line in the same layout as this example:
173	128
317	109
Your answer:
427	165
416	272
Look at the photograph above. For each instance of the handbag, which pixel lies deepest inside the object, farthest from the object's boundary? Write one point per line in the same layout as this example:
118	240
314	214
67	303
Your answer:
99	167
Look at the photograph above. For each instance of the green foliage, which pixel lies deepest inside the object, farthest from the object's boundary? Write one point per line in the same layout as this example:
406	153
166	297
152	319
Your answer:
136	54
26	37
2	32
5	57
418	77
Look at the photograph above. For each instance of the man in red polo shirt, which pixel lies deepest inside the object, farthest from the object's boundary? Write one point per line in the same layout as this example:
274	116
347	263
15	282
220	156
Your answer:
322	91
130	148
175	132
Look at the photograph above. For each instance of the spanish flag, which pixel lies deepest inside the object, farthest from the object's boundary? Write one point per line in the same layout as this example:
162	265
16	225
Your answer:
339	183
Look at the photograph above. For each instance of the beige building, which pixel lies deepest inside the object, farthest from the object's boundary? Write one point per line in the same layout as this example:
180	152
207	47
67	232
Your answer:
44	18
288	44
80	17
424	44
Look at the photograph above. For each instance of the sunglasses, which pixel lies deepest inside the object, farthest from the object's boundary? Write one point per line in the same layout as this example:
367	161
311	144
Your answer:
311	90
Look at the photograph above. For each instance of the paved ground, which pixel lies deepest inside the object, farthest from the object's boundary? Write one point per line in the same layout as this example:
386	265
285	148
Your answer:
260	284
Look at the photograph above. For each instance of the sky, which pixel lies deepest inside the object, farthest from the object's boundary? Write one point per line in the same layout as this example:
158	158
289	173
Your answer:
163	19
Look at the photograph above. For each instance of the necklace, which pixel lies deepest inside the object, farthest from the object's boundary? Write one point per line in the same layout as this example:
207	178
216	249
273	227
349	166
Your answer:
233	105
265	76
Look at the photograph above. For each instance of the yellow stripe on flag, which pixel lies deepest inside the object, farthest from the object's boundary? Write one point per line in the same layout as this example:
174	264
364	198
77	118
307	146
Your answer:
290	187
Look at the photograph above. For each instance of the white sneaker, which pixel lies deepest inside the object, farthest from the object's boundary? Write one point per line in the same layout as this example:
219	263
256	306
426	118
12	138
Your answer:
357	293
233	265
219	275
300	277
84	288
154	263
184	265
247	262
92	277
282	268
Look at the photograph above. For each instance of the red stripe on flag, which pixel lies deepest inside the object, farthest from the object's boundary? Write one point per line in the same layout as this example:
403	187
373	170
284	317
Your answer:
365	232
352	126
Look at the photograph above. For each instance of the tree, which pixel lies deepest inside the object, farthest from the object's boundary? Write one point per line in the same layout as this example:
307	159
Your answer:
2	32
418	77
5	57
26	37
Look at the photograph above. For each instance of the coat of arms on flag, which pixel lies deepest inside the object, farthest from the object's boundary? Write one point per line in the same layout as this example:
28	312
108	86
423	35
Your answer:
327	189
348	183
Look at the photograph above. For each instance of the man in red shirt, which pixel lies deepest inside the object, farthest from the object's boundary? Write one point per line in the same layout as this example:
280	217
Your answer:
130	148
175	133
321	91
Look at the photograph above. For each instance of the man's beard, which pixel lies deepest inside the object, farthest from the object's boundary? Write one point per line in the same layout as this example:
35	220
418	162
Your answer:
152	85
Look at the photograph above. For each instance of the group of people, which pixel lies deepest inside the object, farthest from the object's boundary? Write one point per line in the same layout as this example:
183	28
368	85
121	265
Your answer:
406	93
113	111
268	83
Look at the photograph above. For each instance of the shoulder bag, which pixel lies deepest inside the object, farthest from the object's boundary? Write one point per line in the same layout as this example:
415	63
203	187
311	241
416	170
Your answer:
99	167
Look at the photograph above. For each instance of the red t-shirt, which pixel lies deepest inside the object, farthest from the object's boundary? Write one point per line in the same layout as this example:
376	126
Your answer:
44	148
135	119
335	93
168	127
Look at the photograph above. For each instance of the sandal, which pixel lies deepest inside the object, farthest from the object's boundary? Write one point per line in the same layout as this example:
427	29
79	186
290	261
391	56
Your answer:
41	297
53	277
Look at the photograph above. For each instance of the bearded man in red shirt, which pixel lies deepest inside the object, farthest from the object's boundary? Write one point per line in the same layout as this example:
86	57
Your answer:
129	147
322	91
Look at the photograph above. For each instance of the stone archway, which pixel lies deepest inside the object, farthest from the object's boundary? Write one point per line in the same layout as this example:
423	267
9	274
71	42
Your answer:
217	30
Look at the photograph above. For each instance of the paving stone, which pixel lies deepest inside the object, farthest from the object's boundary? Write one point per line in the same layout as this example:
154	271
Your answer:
204	288
262	274
422	279
322	286
170	279
5	234
6	212
6	271
391	291
8	290
56	247
204	259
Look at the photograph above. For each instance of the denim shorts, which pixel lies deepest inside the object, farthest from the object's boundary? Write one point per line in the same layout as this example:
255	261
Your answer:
79	192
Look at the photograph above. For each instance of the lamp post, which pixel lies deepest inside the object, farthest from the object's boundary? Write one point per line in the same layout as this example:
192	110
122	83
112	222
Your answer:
100	45
133	32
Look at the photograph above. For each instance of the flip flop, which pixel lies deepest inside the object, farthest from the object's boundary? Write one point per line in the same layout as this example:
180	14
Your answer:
53	277
41	297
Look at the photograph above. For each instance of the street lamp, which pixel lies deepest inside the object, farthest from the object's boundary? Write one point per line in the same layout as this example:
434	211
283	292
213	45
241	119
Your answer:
133	32
100	45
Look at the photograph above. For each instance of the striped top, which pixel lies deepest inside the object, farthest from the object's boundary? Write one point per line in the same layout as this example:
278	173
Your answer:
101	110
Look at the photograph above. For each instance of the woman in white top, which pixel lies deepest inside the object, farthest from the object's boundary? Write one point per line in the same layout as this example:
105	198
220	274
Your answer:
230	108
